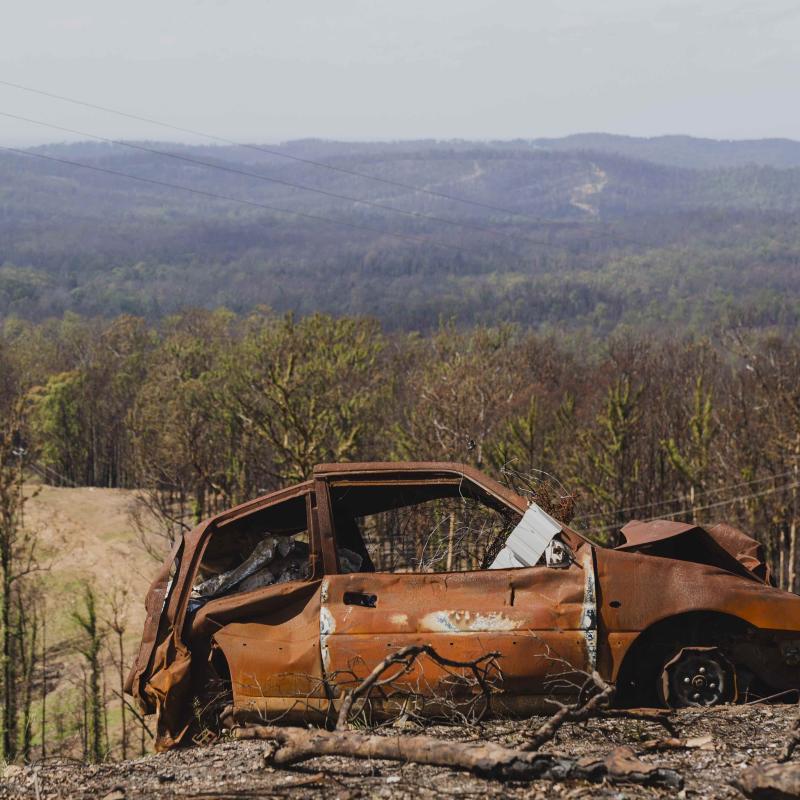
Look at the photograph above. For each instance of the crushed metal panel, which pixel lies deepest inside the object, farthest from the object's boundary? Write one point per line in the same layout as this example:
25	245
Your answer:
638	533
155	603
528	541
271	644
639	590
680	541
744	548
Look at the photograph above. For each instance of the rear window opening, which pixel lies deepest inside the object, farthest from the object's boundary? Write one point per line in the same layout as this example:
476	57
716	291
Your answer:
266	547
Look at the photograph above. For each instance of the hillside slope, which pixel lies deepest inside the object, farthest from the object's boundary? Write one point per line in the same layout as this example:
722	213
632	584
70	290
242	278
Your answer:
542	241
685	151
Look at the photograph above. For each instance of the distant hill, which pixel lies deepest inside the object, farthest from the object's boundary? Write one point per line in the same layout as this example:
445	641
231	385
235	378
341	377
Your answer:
574	233
684	151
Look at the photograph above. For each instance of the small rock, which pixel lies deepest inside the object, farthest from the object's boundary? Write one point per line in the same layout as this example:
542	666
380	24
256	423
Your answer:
115	794
13	771
769	781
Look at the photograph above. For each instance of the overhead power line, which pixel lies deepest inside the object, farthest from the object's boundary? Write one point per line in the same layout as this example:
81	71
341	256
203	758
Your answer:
280	181
669	501
229	198
302	160
718	504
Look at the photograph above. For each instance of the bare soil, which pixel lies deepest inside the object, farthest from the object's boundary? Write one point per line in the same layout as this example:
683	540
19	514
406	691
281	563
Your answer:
742	736
86	534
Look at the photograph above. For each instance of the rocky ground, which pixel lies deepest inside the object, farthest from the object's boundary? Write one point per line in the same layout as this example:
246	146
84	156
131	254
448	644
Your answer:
724	742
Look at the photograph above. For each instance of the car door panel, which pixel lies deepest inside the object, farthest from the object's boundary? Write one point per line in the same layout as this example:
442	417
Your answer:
538	620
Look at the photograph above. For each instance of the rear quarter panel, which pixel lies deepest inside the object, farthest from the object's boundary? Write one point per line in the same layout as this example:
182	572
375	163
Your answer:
635	591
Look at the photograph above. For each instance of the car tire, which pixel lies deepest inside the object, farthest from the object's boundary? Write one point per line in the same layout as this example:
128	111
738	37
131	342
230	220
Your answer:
698	677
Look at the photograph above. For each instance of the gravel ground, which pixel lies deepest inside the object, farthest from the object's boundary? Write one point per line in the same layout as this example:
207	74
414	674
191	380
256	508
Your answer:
742	736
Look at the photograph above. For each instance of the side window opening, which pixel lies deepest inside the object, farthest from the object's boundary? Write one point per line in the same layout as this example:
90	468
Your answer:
432	527
269	546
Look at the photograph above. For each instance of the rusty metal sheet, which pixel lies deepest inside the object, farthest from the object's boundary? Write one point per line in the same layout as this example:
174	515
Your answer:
639	590
722	545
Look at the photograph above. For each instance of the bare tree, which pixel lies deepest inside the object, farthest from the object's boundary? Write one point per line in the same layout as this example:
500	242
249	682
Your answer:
117	624
17	561
89	647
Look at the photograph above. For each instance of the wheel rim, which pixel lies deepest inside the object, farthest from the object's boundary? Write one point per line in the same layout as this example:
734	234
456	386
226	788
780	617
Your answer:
698	676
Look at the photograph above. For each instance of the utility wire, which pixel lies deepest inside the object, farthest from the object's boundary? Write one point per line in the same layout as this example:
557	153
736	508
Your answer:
281	181
300	159
718	504
216	196
42	471
667	502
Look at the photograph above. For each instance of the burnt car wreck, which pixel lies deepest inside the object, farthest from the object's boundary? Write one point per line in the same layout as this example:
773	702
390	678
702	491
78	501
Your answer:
290	598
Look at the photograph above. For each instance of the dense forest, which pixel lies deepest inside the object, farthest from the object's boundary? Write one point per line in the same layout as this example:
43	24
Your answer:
205	410
586	232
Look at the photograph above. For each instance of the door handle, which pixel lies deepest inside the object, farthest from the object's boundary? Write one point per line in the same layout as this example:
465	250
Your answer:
360	599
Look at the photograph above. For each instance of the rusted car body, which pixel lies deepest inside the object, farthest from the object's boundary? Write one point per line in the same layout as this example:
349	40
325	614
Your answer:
678	614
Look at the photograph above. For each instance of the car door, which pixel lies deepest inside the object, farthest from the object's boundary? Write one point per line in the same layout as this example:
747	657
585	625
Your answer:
540	620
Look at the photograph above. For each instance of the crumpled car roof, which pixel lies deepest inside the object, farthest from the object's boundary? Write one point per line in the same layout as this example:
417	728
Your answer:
720	545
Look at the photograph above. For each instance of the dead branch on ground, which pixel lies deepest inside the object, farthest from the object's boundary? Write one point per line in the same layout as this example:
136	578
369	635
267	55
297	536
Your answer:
657	716
483	759
572	713
763	781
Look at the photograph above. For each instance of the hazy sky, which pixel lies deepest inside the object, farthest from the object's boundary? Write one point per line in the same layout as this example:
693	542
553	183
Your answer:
271	70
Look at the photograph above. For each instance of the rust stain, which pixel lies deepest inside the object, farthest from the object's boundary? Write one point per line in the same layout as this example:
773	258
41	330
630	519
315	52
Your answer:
465	622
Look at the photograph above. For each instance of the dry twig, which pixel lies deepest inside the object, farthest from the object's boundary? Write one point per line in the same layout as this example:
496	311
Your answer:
573	713
656	716
405	659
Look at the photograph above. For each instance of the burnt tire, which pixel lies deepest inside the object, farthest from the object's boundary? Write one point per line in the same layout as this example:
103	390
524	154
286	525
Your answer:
698	677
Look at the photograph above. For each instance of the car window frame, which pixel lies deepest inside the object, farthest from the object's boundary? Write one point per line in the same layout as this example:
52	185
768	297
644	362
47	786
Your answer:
324	487
219	523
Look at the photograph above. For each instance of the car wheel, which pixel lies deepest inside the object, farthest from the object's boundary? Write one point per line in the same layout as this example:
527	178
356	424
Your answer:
698	676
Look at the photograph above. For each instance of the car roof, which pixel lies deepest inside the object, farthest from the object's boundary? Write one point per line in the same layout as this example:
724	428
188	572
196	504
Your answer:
388	470
400	471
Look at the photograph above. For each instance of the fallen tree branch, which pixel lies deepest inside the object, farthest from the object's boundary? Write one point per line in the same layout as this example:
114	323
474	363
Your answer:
484	759
765	781
573	713
674	743
657	716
